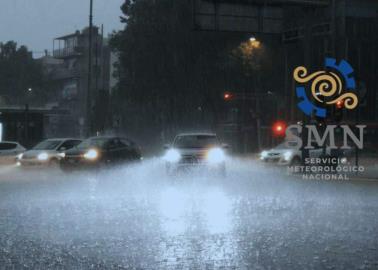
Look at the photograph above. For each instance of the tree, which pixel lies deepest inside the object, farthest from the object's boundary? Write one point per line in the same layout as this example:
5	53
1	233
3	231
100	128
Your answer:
171	76
18	73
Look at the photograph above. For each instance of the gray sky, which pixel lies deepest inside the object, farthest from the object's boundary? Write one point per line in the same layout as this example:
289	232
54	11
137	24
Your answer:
35	23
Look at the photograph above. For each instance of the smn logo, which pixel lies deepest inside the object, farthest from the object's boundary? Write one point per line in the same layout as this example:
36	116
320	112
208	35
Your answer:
328	88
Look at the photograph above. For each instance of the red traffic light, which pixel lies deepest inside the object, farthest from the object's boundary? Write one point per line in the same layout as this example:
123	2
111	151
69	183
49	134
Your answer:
227	96
279	128
340	104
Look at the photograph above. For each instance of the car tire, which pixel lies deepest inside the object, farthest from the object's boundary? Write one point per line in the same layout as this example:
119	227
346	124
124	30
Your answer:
54	163
296	161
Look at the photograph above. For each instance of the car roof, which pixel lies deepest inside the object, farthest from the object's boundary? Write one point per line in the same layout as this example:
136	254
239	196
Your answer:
62	139
9	142
197	134
103	137
109	137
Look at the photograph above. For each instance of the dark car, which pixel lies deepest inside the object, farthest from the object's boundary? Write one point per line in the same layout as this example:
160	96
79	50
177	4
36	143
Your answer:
97	151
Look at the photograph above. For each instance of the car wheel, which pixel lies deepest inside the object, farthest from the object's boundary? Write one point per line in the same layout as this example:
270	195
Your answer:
54	163
296	161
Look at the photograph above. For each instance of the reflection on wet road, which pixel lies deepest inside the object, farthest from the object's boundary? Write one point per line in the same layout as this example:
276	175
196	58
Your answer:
137	218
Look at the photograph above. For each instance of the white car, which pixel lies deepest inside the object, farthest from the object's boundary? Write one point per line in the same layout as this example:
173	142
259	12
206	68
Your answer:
9	151
48	152
196	150
284	154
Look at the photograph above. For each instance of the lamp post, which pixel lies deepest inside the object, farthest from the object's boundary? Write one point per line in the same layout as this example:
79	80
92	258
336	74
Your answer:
254	42
89	85
26	124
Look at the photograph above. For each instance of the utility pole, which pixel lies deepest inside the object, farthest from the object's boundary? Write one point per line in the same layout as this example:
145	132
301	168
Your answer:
89	86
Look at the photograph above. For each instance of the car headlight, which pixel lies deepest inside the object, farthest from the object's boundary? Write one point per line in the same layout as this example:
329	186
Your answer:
172	155
216	155
62	155
264	154
43	156
288	155
20	156
91	154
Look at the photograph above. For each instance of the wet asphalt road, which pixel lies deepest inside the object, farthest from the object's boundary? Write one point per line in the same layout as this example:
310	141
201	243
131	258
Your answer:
137	218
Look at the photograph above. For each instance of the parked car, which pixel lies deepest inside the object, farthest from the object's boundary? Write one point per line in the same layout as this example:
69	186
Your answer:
96	152
48	152
196	150
9	151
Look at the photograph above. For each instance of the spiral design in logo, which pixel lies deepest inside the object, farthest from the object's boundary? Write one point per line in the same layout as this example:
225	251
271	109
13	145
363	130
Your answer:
326	84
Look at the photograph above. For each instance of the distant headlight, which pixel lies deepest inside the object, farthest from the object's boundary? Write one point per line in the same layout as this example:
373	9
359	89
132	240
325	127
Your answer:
216	155
288	155
62	155
264	154
20	156
43	156
172	155
91	154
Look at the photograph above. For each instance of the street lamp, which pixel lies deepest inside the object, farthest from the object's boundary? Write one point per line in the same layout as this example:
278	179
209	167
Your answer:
254	43
26	123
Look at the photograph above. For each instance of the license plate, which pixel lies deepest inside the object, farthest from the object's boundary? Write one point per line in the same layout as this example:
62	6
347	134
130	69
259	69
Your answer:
71	161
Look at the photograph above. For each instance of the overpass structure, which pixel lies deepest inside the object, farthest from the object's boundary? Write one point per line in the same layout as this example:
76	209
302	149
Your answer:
304	32
280	16
258	16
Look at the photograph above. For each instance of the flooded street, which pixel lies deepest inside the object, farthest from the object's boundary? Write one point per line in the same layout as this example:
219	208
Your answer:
138	218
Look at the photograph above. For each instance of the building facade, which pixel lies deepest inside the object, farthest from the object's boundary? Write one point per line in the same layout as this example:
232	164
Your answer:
304	32
67	71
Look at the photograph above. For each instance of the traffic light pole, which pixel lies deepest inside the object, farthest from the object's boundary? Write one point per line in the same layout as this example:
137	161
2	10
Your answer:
357	154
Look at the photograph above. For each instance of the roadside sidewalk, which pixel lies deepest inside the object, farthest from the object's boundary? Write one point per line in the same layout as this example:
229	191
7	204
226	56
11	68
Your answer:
369	164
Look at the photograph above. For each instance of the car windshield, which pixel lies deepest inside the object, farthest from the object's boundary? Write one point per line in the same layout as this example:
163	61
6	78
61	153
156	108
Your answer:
47	145
93	142
195	141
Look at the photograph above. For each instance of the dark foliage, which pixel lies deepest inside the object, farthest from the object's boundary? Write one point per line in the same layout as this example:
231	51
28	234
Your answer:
18	73
172	77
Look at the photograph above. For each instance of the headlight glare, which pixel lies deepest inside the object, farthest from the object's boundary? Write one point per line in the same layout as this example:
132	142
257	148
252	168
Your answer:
43	156
288	155
172	155
264	154
92	154
216	155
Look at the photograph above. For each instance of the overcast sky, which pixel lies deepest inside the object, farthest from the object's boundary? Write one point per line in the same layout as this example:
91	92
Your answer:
35	23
